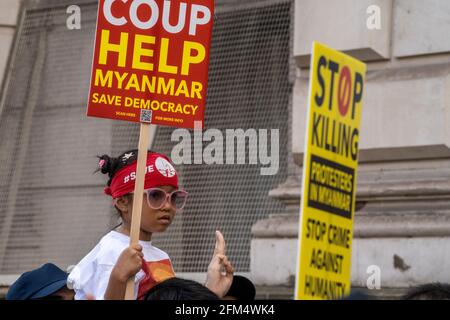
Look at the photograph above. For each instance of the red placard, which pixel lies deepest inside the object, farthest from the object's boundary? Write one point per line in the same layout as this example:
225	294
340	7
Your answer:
151	61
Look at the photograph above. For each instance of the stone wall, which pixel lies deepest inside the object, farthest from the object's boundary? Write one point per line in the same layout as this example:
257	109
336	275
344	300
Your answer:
402	223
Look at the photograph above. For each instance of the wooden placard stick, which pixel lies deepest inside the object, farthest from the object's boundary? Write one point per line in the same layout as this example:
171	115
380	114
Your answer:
144	140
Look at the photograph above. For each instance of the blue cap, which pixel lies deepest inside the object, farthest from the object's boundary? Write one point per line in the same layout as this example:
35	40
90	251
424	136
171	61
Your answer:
38	283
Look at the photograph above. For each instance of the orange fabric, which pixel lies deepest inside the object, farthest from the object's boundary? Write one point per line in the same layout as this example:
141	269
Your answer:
155	272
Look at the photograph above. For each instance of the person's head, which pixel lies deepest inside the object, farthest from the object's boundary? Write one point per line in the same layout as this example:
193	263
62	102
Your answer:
45	283
429	291
241	289
161	197
180	289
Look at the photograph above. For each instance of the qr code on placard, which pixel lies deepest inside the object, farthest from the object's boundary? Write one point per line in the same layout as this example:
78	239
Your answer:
146	116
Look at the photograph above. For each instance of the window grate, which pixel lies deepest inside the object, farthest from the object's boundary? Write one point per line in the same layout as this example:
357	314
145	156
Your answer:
52	208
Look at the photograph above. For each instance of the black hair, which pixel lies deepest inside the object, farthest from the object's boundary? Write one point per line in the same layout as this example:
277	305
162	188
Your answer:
109	165
429	291
242	289
180	289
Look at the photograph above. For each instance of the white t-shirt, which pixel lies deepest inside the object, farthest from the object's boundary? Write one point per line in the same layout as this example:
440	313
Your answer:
91	274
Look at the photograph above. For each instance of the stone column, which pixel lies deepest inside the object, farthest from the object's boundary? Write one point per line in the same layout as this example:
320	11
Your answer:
402	223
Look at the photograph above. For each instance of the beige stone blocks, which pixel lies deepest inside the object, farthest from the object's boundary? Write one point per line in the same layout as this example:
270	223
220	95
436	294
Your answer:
342	25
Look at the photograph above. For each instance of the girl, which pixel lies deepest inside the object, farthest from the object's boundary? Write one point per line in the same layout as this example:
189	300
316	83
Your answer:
150	265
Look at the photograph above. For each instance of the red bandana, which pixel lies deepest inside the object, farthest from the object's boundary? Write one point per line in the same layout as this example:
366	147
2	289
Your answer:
158	172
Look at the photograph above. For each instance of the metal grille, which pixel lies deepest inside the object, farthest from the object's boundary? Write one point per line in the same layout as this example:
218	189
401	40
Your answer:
51	205
248	88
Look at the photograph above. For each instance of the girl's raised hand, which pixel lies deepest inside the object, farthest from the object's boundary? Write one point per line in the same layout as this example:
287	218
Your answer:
217	281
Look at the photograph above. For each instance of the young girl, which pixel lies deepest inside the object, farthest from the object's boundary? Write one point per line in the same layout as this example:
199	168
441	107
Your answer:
91	276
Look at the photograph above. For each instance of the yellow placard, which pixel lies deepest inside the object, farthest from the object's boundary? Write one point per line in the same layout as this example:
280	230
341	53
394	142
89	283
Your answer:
329	175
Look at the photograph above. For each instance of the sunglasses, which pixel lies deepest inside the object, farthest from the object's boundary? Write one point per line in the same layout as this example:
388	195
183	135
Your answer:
156	198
